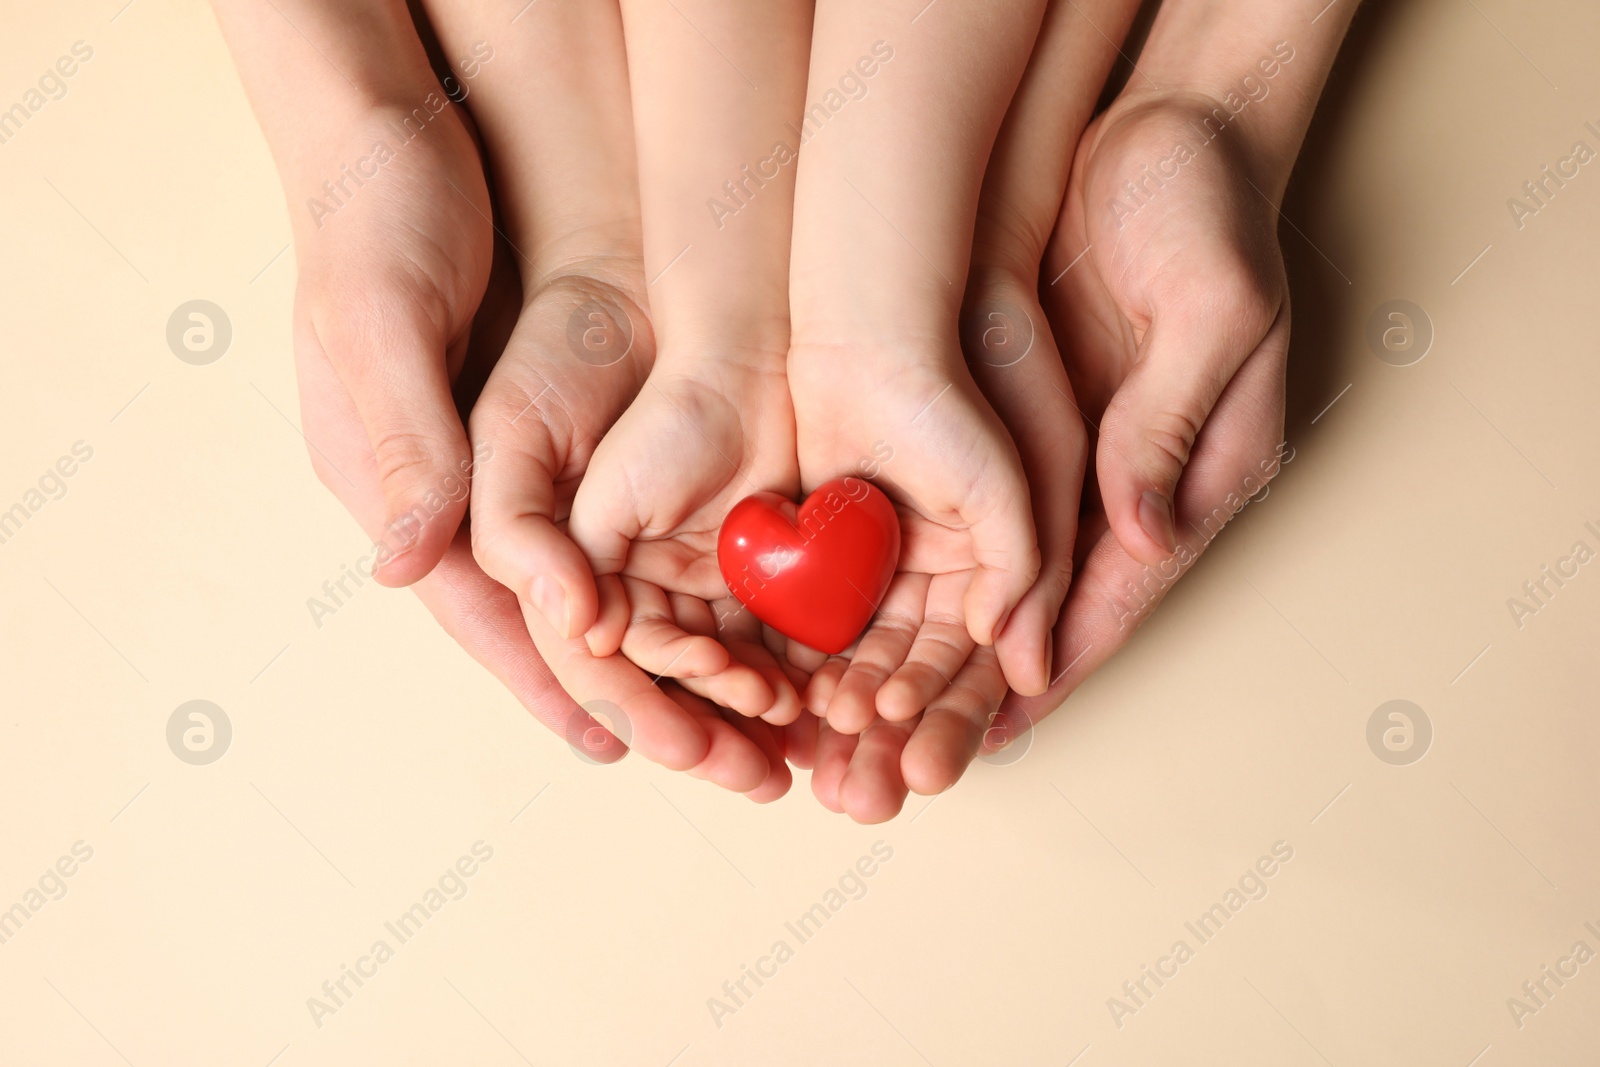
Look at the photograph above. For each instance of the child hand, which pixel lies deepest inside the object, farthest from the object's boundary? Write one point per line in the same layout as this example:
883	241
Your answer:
1014	360
959	484
581	348
888	191
713	422
694	443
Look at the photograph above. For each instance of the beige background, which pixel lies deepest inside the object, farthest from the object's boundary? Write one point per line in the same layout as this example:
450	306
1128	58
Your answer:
370	753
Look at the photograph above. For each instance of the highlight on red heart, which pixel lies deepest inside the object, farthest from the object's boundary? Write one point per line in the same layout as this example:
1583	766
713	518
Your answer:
815	572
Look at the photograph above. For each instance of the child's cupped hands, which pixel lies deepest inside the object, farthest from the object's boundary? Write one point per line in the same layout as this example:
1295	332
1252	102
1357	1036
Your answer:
567	193
713	422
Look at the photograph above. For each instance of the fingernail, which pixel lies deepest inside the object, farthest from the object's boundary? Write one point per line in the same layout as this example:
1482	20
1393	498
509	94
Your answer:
1155	515
551	601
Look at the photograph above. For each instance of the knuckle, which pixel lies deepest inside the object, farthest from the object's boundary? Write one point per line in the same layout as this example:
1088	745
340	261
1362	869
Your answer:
945	642
1169	437
1056	580
866	672
895	624
404	457
483	536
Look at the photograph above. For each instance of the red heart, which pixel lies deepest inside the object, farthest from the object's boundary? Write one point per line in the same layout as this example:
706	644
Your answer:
815	573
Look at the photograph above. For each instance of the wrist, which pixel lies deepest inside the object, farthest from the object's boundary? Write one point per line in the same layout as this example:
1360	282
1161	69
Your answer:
871	317
1261	63
703	317
849	364
1201	117
703	353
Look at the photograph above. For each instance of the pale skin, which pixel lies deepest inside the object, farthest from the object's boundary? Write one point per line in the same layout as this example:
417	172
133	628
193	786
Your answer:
713	422
887	194
388	290
571	202
1180	398
1191	283
1013	358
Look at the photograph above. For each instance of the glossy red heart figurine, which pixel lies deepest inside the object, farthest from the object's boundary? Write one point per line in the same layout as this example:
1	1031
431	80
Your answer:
815	573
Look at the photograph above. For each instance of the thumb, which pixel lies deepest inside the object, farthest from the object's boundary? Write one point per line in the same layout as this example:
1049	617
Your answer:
524	432
1151	424
392	359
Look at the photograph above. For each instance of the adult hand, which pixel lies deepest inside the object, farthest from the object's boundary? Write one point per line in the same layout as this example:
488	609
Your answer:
1175	320
339	90
394	253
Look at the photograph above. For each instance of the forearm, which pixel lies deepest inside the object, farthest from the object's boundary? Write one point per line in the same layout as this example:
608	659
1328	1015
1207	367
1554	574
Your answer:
312	70
1032	158
717	90
1264	61
566	186
890	175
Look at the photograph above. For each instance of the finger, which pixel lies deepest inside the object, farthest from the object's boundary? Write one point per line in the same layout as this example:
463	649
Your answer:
662	730
484	617
732	760
800	741
806	659
797	660
738	685
693	615
539	415
798	677
1009	345
748	629
824	683
1006	549
605	516
951	730
785	705
873	790
833	760
1154	421
942	645
611	623
741	633
1017	365
479	613
769	739
388	348
1239	451
657	645
881	651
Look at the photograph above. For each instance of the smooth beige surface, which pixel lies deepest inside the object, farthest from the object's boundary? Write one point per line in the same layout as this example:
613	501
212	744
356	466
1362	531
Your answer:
369	754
